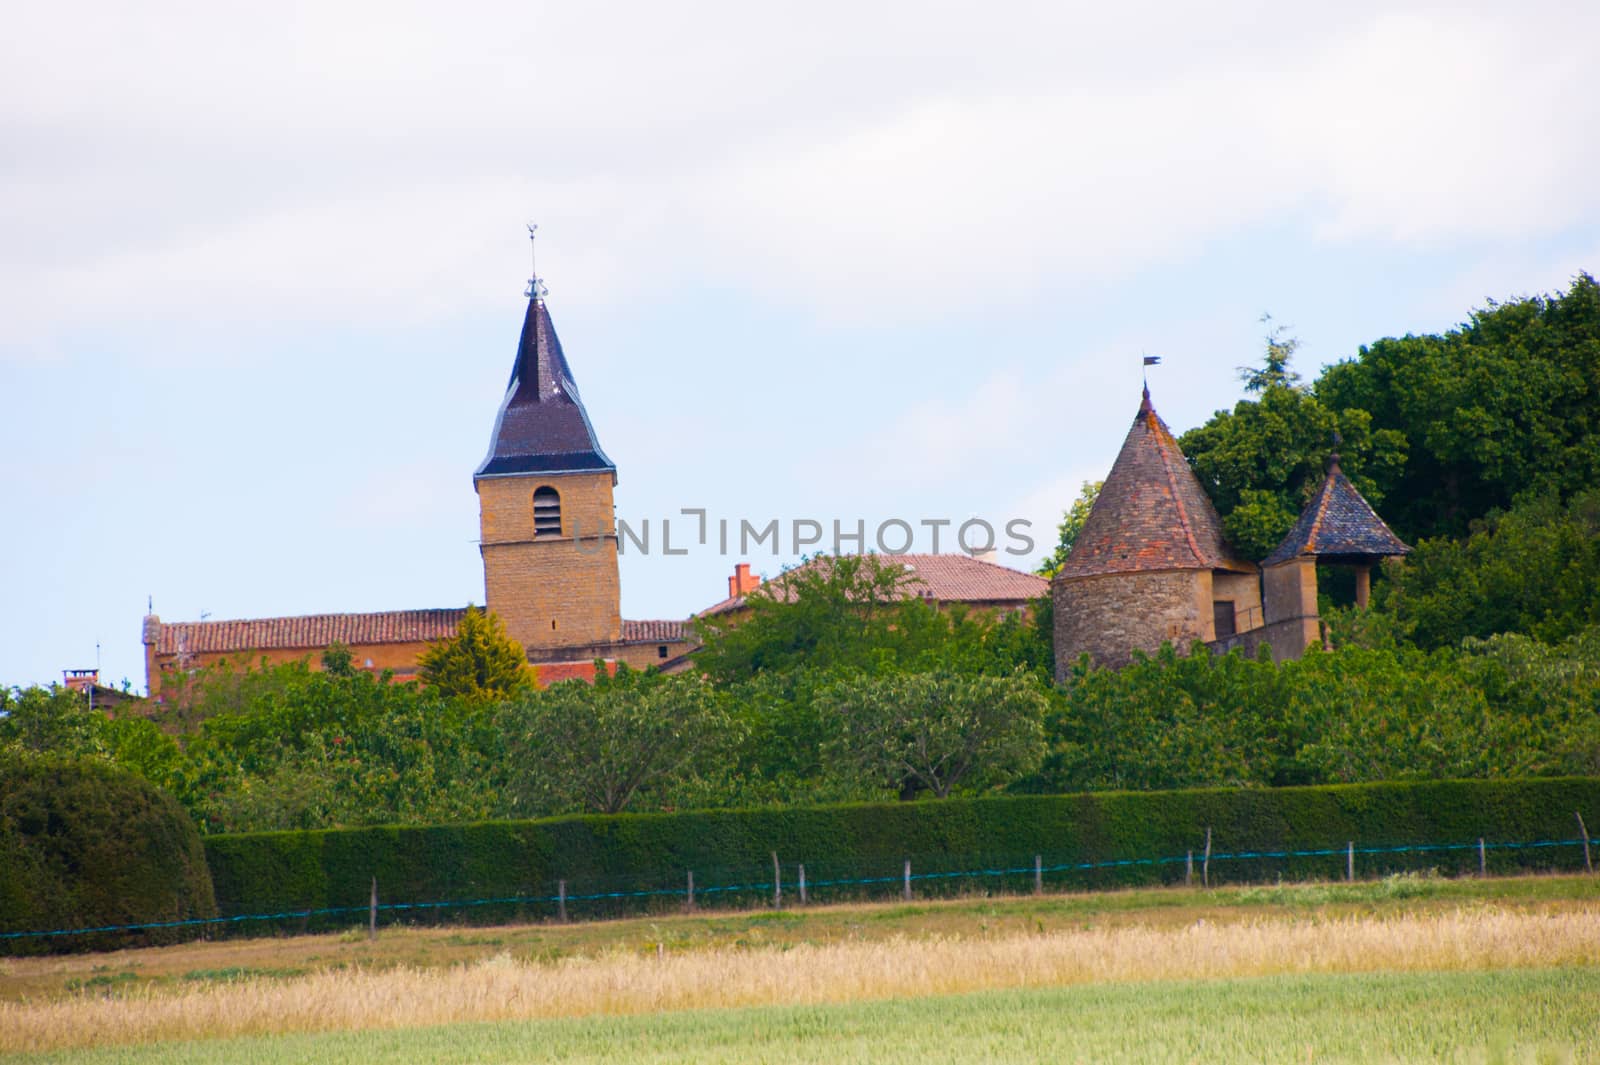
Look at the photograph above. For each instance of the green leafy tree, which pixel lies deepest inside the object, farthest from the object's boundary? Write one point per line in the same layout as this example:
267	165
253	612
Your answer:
53	720
1262	461
832	612
1533	569
629	739
1274	370
1072	522
479	662
937	731
1507	404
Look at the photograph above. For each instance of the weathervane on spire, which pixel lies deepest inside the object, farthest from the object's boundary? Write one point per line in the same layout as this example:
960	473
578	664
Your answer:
536	288
1149	361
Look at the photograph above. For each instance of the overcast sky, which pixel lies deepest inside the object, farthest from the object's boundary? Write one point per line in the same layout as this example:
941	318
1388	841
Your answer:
261	265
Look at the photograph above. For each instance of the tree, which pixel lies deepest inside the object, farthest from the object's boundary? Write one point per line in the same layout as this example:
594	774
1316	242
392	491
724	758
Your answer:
479	662
1533	569
1274	369
937	731
1507	404
1072	522
832	611
1262	462
605	747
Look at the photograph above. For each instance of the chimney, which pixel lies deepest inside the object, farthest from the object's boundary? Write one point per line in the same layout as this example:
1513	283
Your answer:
80	680
743	582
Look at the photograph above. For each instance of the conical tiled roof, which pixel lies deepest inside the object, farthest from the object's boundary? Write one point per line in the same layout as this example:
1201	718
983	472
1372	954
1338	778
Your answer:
542	426
1338	523
1151	514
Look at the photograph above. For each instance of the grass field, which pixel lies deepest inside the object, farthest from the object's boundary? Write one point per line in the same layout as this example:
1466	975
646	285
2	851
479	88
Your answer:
1529	1016
1409	968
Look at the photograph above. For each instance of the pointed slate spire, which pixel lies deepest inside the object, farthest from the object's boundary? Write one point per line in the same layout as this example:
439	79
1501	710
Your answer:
1338	525
542	426
1151	514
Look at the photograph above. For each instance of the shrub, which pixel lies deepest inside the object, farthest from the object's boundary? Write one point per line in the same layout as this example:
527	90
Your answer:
84	844
633	862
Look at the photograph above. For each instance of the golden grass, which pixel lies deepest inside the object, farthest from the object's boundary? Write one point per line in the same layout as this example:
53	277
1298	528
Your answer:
504	988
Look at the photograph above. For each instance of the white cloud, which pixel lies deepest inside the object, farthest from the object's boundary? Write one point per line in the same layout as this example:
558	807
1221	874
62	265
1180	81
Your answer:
366	160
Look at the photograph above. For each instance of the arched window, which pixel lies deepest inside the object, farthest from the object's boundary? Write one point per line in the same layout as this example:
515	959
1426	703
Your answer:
546	512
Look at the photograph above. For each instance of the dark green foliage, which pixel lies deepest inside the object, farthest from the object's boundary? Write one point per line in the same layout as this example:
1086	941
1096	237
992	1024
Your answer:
1534	569
1507	404
1500	709
861	612
1262	461
631	852
84	844
935	731
626	739
288	747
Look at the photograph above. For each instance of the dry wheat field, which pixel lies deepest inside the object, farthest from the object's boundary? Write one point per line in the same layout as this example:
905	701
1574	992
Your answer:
1444	976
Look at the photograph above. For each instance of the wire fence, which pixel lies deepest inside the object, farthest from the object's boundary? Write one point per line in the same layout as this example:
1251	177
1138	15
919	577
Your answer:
905	878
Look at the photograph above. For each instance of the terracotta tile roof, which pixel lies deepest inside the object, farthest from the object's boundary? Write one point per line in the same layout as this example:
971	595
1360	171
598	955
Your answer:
1338	523
1152	513
940	578
309	632
654	631
317	631
542	425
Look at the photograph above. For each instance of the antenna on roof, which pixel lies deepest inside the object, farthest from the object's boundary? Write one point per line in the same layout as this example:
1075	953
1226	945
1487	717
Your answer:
536	288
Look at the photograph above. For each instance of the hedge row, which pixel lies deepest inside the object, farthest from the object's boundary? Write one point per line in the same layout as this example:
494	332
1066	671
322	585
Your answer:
85	845
616	856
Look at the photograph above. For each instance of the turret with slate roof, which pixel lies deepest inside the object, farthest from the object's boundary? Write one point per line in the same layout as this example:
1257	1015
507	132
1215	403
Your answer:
1338	527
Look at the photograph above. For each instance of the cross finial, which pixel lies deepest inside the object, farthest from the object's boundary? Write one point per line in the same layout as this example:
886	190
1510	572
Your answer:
536	288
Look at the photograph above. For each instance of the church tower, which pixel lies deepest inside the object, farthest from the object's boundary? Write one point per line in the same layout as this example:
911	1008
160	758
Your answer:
546	519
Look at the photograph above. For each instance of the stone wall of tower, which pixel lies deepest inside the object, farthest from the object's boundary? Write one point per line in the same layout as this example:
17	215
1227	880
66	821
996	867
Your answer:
551	591
1109	616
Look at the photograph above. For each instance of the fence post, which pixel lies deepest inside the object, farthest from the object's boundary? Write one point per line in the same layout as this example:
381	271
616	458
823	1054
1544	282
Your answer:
777	883
1483	858
802	883
1205	865
1188	869
1350	862
690	895
908	880
372	912
1038	874
561	901
1588	863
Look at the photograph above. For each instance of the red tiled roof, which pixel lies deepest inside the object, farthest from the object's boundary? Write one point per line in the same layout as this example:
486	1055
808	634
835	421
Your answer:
940	578
1152	513
316	631
309	632
654	631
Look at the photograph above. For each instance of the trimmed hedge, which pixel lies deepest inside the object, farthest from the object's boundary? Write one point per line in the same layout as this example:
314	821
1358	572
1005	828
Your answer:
636	861
84	844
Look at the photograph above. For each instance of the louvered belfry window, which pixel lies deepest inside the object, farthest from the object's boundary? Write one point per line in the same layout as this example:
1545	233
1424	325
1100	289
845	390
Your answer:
546	512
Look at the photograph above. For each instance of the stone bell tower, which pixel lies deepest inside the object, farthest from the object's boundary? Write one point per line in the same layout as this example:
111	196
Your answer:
546	519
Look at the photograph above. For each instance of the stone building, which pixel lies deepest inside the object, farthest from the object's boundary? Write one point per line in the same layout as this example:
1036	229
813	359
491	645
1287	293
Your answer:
548	542
1151	564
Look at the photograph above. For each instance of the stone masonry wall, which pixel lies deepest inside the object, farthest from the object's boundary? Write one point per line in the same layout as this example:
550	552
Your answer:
1111	615
553	591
